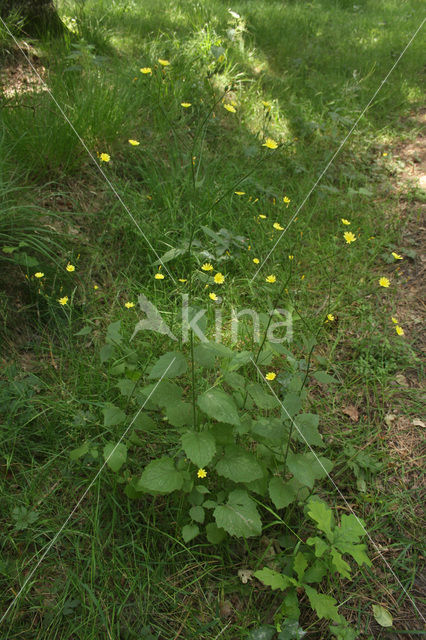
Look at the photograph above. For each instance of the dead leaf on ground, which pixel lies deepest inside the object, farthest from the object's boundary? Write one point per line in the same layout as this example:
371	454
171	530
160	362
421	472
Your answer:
245	575
401	380
225	609
389	418
352	412
418	423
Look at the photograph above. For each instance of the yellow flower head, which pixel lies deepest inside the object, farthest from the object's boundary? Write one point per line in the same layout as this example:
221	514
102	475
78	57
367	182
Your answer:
230	108
290	257
129	305
95	286
277	226
399	330
394	320
397	256
270	144
262	216
349	237
384	154
286	200
239	193
185	105
271	279
182	280
219	278
384	282
159	276
201	473
39	274
164	63
270	376
207	266
63	301
212	296
70	267
344	221
256	260
146	70
266	104
134	143
330	317
105	157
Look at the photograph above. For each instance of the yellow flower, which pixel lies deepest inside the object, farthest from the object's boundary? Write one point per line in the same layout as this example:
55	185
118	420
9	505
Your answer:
384	154
262	216
271	279
384	282
146	70
63	301
185	105
39	274
330	317
270	144
344	221
266	104
270	376
201	473
277	226
394	320
164	63
286	200
207	266
349	237
183	280
134	143
230	108
129	305
397	256
70	267
290	257
399	330
219	278
105	157
95	286
212	296
256	260
159	276
239	193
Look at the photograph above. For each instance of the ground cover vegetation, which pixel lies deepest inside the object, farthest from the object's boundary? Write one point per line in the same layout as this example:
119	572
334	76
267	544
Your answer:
176	161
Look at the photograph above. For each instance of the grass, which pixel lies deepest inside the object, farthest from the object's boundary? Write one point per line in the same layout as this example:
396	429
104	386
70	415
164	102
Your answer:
120	568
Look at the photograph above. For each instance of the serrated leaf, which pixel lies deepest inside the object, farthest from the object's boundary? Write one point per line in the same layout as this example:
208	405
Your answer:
283	493
75	454
239	465
315	573
115	455
323	605
261	398
308	467
270	430
323	516
219	405
306	429
290	605
171	254
160	476
113	415
325	378
291	405
339	564
179	414
163	393
382	616
291	630
197	514
189	532
106	353
299	565
320	545
239	360
273	579
199	447
170	365
239	517
126	387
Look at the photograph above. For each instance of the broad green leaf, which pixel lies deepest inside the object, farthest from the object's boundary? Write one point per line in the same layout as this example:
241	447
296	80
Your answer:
382	616
144	422
179	414
299	565
357	551
171	254
262	398
115	455
235	380
160	476
315	573
239	516
323	605
320	545
113	335
113	415
325	378
126	387
189	532
291	630
308	467
215	535
170	365
323	516
270	430
106	353
239	465
219	405
239	360
283	493
306	429
273	579
84	331
351	529
262	633
339	564
197	514
75	454
343	631
222	433
163	394
291	405
290	605
199	447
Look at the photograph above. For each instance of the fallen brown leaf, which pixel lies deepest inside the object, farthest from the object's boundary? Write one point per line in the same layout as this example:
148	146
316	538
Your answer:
352	412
